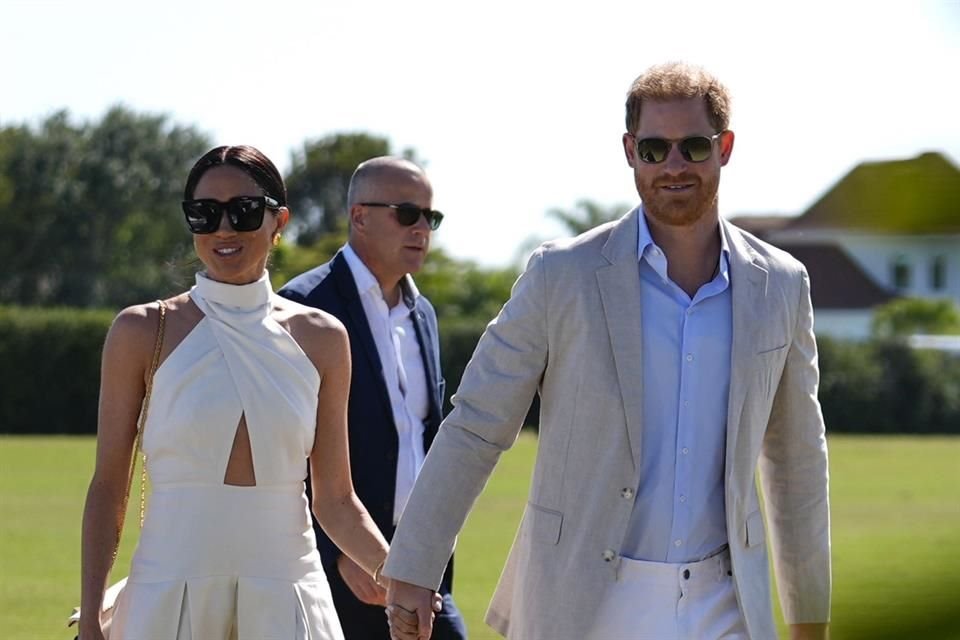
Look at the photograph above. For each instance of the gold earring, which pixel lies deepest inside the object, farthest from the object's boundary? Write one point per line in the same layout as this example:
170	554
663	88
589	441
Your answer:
276	239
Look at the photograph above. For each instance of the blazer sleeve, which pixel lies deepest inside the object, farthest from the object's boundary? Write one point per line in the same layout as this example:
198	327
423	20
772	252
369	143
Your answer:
490	405
794	475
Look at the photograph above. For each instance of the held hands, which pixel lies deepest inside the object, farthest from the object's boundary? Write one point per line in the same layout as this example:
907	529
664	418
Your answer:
360	582
410	610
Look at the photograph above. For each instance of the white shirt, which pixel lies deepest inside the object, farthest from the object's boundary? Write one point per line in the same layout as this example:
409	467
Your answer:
403	372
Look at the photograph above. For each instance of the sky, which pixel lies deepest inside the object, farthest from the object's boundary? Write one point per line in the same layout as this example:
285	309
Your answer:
514	107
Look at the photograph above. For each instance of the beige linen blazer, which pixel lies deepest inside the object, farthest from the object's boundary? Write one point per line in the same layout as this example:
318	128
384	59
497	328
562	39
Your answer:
571	330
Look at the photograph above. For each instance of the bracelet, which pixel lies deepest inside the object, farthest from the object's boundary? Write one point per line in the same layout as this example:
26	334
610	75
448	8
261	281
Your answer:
377	577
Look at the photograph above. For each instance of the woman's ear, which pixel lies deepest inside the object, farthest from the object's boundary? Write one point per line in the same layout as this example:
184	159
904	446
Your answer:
283	217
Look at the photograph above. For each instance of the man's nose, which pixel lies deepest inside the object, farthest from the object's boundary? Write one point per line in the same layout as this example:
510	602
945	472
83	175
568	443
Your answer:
422	225
675	162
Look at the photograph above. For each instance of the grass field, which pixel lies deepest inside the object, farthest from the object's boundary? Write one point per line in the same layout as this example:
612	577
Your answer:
896	534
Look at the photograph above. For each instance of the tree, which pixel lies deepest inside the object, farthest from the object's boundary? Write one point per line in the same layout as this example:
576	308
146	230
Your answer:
906	316
319	176
587	214
90	211
289	259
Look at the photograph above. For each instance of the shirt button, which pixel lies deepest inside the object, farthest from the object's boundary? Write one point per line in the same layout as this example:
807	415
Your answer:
683	498
627	493
689	357
677	543
684	451
609	555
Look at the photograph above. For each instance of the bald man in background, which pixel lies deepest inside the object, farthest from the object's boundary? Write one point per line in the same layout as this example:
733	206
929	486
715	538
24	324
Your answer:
396	390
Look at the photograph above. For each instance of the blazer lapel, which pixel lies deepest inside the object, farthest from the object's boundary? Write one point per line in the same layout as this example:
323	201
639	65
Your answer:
359	326
748	282
426	341
619	285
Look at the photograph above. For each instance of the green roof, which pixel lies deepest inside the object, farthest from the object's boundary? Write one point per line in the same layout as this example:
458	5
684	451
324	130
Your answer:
916	196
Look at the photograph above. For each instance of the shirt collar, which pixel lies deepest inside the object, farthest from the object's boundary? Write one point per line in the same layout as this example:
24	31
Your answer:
646	244
367	283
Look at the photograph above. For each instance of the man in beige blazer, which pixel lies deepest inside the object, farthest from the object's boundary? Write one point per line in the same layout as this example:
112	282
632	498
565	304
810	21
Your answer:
577	328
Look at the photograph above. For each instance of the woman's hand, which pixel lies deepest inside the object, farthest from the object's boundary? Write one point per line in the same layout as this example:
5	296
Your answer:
360	582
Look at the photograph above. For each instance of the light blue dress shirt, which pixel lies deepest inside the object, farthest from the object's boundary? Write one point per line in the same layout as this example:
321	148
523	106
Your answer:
678	514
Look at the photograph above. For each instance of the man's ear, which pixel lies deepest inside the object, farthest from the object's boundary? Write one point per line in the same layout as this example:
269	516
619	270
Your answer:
629	148
726	147
358	216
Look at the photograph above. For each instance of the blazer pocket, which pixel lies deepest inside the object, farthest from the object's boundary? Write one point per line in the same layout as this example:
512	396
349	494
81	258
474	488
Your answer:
545	524
754	529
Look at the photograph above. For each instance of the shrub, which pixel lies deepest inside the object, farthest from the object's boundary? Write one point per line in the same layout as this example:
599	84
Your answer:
50	369
886	387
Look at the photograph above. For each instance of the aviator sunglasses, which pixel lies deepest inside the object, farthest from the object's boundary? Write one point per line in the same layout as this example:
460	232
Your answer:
693	149
408	214
244	212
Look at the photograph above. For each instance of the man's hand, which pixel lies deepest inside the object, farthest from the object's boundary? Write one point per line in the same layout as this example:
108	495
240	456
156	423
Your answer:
360	583
410	610
808	631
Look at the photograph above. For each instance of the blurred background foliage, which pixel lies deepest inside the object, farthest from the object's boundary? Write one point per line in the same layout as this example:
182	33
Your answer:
92	224
89	209
92	220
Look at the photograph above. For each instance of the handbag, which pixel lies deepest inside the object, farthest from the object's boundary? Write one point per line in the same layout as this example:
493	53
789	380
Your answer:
113	592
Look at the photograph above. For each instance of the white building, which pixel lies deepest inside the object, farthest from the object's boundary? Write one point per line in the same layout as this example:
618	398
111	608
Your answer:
885	230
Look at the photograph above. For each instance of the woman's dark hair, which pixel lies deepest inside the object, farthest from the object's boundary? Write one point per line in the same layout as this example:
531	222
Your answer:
248	159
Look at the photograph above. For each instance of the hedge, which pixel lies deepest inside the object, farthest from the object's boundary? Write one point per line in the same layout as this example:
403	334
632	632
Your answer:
886	387
50	366
50	371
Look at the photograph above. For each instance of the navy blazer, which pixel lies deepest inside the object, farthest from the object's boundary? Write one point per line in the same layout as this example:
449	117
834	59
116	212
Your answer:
373	434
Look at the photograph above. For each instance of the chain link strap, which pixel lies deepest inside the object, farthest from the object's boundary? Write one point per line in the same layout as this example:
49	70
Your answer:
138	449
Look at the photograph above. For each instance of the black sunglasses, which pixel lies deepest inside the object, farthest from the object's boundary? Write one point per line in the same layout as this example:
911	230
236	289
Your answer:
408	214
244	212
693	149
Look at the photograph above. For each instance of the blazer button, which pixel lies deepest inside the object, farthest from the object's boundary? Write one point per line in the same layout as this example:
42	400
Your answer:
609	555
626	493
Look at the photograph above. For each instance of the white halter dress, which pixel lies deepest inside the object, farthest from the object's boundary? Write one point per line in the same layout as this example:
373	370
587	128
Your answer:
215	561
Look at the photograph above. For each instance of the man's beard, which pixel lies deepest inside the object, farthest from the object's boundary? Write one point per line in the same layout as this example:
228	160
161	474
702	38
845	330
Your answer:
679	211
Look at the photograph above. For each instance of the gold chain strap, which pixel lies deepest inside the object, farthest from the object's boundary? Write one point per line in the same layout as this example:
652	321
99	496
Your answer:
146	406
140	425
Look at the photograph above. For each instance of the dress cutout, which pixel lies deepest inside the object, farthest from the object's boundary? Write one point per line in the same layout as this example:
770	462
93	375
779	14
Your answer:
240	471
218	561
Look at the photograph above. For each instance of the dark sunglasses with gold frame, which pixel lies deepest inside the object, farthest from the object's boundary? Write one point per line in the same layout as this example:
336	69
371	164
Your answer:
244	212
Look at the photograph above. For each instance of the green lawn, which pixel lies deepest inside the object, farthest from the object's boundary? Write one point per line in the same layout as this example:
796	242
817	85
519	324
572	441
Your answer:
896	532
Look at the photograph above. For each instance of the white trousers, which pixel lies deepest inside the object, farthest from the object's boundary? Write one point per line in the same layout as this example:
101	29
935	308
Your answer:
663	601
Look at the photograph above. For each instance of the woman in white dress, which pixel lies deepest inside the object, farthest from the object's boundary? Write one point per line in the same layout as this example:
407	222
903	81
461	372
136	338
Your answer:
250	389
